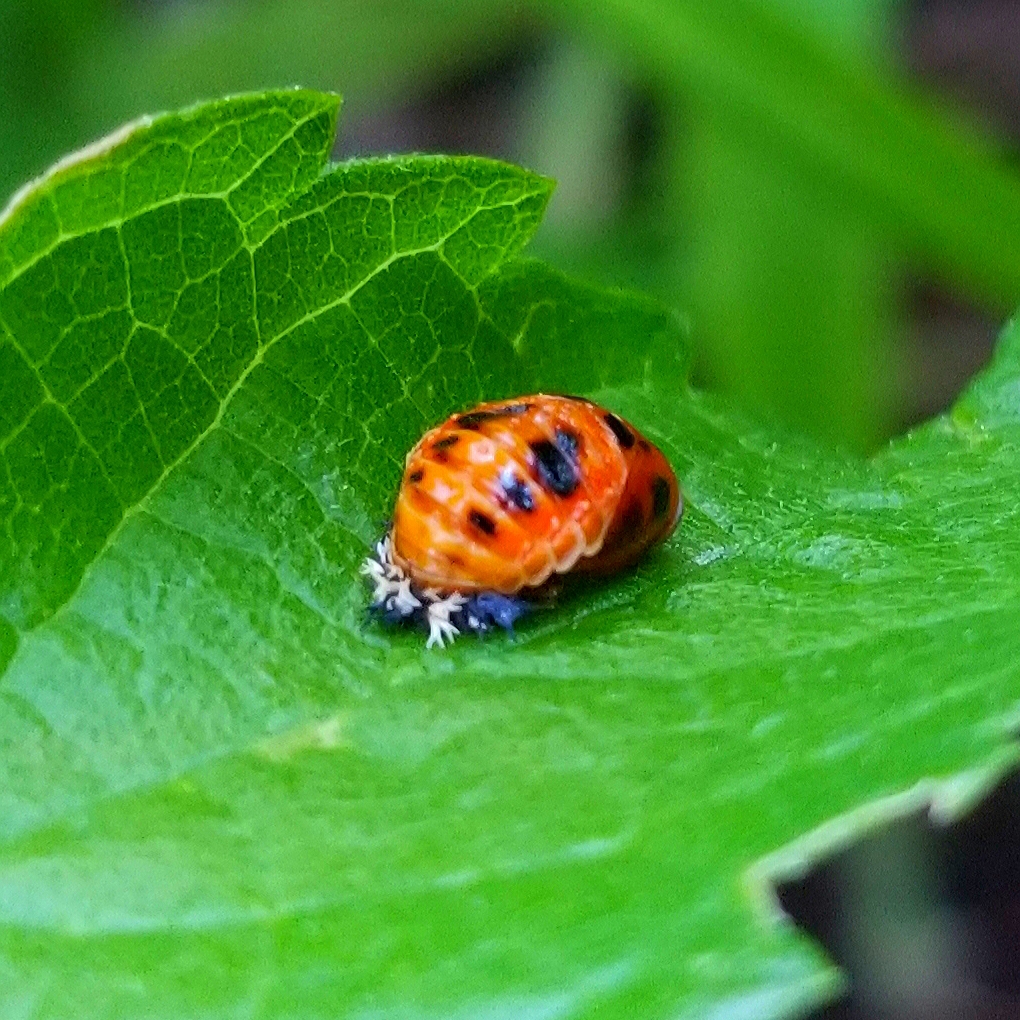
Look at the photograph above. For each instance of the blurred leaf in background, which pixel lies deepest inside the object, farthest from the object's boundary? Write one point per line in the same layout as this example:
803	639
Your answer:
71	71
757	163
41	44
788	284
787	277
803	176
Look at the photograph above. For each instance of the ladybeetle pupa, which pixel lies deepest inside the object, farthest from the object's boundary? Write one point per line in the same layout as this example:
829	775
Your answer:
496	500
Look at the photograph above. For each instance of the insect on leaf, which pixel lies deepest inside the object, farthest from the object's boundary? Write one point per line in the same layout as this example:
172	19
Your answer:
223	790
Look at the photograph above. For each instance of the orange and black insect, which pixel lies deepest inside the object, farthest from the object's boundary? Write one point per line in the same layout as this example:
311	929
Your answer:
498	499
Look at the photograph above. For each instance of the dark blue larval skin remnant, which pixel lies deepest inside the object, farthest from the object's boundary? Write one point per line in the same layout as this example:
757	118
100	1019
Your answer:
398	601
488	609
479	614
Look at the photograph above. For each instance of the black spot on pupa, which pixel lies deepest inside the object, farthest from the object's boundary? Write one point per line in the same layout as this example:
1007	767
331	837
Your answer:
473	419
644	446
624	436
568	442
660	496
483	522
518	493
416	476
556	470
631	524
446	442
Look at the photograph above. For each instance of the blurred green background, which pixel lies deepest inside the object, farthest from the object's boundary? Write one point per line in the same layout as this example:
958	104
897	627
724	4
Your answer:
825	188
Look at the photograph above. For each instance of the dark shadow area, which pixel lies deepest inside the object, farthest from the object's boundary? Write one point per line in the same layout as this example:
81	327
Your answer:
923	918
475	112
946	342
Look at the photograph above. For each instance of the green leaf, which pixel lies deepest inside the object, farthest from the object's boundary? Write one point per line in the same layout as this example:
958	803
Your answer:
224	791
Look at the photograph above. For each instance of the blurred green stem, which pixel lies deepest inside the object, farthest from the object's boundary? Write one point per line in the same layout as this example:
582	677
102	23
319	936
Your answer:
940	191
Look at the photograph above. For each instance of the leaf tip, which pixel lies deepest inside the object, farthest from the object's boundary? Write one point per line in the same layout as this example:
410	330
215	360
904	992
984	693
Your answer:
68	163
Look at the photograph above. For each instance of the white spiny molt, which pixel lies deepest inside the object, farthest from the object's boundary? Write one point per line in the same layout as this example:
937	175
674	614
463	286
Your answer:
441	628
404	599
387	578
394	592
